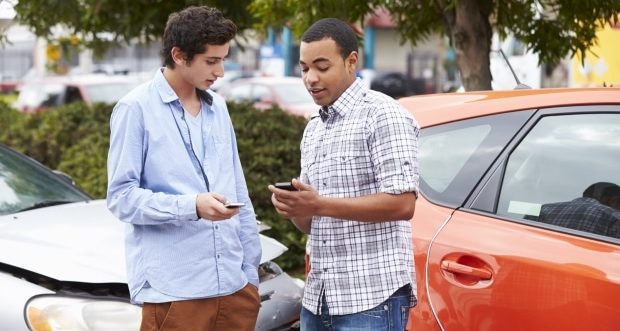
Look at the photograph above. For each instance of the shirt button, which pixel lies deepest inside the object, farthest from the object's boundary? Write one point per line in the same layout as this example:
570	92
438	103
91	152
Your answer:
217	256
217	227
324	269
325	241
324	183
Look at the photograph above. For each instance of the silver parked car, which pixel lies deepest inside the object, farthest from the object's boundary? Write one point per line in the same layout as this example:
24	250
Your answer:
62	262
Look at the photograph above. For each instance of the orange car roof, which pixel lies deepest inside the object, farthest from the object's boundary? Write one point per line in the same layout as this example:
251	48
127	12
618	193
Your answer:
434	109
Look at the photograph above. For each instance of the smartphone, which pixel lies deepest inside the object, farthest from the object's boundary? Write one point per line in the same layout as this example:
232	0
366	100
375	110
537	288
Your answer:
234	204
285	186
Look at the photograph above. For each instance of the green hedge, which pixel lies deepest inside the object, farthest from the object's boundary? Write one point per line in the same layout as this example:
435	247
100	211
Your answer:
75	139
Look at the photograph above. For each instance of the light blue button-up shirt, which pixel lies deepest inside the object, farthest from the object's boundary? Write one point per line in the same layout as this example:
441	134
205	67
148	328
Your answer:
153	180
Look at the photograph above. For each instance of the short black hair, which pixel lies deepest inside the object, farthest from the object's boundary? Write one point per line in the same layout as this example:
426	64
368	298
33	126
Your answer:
611	192
192	29
333	28
600	190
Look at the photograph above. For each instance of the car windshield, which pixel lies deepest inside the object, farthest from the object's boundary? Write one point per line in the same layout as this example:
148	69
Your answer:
293	93
25	184
108	92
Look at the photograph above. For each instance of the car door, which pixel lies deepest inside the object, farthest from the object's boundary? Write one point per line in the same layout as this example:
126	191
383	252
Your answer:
497	265
453	157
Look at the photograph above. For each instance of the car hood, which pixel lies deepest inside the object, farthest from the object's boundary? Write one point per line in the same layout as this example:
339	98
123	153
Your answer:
79	242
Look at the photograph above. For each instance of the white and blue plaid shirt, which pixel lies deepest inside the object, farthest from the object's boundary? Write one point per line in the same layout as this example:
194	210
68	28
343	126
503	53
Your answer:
364	143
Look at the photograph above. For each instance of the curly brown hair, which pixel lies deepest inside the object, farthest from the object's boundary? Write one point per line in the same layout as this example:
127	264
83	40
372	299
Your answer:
193	29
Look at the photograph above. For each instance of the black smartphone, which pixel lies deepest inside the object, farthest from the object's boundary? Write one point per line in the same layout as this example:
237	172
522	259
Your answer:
234	204
285	186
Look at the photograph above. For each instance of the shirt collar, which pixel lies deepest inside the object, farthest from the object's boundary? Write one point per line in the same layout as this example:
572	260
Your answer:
168	95
346	101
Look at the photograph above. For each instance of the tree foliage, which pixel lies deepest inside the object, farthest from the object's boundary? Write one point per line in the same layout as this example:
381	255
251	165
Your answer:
553	29
101	23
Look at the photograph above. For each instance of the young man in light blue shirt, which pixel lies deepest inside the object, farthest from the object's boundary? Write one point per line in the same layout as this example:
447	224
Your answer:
172	167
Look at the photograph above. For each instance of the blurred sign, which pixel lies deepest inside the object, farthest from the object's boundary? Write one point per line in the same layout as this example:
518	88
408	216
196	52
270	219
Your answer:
271	60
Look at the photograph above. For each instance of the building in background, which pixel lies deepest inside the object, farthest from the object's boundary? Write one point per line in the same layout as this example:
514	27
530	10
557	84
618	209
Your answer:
602	62
390	62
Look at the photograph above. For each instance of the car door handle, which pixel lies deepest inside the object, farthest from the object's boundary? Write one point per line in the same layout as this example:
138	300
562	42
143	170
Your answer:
462	269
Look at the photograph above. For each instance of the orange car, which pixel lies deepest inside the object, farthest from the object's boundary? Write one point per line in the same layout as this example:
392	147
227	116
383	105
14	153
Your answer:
517	225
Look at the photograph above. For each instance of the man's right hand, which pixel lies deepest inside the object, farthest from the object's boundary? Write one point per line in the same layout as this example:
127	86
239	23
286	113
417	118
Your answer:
289	203
210	206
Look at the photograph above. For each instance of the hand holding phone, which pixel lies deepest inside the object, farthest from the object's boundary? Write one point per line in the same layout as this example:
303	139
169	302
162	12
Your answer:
285	186
234	204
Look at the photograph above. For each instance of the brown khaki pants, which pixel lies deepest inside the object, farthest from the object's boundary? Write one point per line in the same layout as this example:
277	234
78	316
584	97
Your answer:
235	312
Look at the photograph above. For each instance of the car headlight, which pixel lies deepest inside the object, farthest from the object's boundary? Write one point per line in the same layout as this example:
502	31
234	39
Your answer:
63	313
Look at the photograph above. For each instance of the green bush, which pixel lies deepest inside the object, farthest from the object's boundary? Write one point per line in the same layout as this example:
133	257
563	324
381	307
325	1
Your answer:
10	122
268	143
75	139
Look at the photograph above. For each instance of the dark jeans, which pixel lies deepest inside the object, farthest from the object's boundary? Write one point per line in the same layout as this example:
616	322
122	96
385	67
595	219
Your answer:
390	315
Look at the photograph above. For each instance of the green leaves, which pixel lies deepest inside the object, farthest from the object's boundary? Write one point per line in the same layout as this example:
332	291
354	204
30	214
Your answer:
556	29
552	28
75	140
268	143
101	23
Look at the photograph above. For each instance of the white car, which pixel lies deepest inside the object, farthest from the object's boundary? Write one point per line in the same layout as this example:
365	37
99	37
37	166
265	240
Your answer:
54	91
62	262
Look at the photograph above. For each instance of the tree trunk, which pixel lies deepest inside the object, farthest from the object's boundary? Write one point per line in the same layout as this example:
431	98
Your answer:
470	31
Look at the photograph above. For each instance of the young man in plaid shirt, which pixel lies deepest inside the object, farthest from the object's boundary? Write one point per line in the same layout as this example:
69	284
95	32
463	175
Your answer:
356	192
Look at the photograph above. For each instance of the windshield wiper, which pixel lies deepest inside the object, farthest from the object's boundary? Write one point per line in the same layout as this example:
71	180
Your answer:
46	203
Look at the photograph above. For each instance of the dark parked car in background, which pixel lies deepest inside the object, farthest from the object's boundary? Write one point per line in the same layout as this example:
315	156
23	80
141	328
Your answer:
62	262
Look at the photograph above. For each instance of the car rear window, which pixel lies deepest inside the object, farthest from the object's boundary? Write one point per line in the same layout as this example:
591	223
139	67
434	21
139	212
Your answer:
454	156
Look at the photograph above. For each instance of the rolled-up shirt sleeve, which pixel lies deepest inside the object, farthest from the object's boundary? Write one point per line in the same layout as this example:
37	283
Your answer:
394	145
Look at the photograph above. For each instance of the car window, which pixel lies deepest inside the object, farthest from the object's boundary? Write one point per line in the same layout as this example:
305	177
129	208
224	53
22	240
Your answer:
454	156
565	173
25	184
457	145
73	95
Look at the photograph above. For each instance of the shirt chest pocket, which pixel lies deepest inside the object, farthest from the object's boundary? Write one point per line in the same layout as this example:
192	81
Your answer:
350	169
353	151
223	151
351	160
348	158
